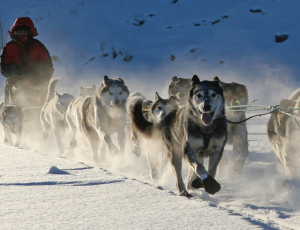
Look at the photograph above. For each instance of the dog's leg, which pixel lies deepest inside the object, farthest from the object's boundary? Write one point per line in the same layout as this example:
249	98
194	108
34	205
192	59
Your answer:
57	133
176	161
194	181
9	137
211	186
122	140
214	160
152	157
18	136
93	140
113	150
45	126
6	141
73	130
240	147
136	143
102	151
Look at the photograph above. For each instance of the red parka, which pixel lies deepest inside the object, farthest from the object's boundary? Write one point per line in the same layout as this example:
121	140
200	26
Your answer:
26	59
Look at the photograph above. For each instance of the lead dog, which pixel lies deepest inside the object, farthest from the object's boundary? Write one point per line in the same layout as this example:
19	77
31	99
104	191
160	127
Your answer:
193	132
104	114
283	133
53	113
236	94
11	117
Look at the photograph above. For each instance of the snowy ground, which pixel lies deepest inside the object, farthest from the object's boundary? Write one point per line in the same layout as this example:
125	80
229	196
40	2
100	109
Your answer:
232	39
41	190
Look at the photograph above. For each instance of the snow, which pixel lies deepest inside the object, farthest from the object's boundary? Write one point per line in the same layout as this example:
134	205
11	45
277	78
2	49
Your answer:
41	190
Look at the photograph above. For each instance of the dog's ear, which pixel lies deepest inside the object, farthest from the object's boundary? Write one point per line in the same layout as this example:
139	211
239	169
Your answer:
105	80
216	79
56	94
81	88
157	97
195	80
174	78
94	87
120	79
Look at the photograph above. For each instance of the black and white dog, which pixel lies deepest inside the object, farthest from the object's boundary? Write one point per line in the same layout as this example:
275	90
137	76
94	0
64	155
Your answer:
104	114
194	132
11	117
154	112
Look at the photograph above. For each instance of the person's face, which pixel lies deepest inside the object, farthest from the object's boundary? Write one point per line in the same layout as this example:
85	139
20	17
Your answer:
22	32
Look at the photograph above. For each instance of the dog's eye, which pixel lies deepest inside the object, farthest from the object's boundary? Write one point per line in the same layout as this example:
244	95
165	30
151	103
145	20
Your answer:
214	94
110	93
120	93
158	108
62	103
199	95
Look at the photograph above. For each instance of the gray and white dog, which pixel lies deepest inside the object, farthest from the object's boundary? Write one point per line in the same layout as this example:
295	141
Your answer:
154	112
194	132
236	94
53	113
11	117
283	133
179	88
87	91
74	113
104	114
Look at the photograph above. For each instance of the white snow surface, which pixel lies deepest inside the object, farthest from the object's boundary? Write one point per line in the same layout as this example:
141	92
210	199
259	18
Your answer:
41	190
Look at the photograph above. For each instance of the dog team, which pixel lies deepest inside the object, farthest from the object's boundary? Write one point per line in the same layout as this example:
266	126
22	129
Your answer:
189	125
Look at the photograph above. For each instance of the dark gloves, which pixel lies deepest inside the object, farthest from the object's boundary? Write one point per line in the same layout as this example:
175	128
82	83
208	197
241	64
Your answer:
211	186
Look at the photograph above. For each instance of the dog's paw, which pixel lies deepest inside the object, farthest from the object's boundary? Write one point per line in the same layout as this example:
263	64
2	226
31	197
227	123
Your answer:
113	150
186	194
238	166
211	186
197	183
136	150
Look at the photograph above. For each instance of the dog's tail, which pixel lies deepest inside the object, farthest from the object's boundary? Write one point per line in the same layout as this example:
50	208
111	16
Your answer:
139	123
51	89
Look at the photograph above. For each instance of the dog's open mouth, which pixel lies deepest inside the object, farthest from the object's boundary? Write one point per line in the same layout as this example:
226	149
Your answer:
207	117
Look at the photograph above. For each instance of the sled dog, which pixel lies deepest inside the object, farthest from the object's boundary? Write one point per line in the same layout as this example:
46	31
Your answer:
11	117
53	113
193	132
74	113
104	114
283	133
236	94
87	91
132	99
156	152
179	88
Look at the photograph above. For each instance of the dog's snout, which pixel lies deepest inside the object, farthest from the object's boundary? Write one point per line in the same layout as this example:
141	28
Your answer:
117	102
207	107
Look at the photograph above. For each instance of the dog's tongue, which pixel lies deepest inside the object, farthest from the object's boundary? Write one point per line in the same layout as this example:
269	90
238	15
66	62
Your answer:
206	118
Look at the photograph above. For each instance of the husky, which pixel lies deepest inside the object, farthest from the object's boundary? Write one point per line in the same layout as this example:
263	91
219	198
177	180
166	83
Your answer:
193	132
155	112
179	88
74	113
87	91
104	114
53	113
236	94
283	133
11	117
132	99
